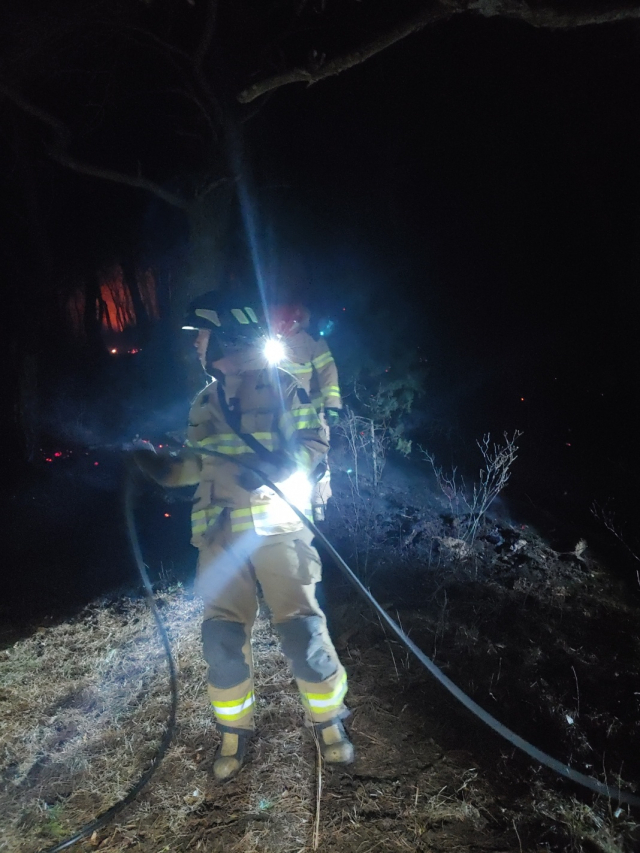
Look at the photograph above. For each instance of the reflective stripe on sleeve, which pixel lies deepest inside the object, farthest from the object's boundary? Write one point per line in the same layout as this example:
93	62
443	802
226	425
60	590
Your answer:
241	519
331	391
297	369
322	360
201	519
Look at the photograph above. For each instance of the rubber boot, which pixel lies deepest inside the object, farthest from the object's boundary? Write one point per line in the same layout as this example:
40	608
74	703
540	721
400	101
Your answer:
335	746
230	756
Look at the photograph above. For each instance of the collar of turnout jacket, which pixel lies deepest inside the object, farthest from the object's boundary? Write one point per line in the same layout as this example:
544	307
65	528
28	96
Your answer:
277	412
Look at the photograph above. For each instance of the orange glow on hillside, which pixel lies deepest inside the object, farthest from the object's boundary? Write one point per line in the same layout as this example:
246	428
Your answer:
115	310
117	305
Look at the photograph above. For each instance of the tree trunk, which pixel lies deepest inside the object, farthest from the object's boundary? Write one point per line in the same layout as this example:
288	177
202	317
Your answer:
130	281
209	227
92	319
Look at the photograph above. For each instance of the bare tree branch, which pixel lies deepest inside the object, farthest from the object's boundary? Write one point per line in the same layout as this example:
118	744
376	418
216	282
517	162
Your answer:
423	18
550	15
198	61
207	35
165	46
211	185
137	181
58	152
558	14
61	130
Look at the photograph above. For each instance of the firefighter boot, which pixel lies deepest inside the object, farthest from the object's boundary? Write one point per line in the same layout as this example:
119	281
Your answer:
230	755
335	746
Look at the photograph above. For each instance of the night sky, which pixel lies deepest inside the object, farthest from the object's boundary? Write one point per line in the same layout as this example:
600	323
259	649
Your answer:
479	183
468	199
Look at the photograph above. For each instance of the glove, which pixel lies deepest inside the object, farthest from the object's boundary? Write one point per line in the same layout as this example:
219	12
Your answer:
277	469
332	416
149	461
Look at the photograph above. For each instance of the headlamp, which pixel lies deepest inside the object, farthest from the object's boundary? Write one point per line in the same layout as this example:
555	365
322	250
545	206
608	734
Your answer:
274	351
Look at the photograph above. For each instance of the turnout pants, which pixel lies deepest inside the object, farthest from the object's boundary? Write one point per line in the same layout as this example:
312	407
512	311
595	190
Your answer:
287	568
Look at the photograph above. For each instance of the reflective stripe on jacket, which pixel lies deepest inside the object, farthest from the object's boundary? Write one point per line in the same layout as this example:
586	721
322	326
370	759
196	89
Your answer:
312	364
278	414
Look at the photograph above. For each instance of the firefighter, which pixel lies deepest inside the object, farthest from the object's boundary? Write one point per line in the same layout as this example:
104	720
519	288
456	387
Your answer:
253	413
312	364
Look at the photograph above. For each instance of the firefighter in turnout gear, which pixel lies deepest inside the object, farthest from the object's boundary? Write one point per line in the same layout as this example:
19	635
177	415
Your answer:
245	533
311	363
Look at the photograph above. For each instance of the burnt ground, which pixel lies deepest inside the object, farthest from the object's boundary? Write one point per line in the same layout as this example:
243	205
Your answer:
544	640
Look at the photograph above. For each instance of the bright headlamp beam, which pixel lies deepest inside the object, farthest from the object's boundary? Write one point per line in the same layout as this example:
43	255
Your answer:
274	351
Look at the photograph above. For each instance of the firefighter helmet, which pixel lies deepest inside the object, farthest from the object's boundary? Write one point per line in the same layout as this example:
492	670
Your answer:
223	315
286	320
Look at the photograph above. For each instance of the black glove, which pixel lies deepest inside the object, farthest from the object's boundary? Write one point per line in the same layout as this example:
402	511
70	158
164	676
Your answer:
277	469
332	416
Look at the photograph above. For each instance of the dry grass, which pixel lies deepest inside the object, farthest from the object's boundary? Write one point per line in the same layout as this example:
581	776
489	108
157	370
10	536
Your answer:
83	706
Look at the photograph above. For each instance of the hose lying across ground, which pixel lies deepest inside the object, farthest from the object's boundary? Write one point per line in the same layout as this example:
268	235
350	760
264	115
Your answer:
107	816
610	791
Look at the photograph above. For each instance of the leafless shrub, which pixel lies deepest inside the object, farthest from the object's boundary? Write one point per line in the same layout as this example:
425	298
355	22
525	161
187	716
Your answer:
470	506
451	488
607	517
367	443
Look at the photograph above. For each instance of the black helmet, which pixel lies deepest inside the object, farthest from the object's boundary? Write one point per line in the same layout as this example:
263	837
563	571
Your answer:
235	322
222	314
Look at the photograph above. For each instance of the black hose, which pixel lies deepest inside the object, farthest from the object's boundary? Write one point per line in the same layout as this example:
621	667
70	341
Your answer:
108	815
610	791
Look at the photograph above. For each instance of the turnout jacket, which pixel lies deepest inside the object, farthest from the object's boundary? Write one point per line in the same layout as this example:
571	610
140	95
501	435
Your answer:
312	364
266	403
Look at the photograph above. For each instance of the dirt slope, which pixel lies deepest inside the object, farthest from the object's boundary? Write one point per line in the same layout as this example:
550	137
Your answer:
545	641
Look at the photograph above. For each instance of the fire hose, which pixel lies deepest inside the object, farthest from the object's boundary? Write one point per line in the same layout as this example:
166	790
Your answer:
107	816
610	791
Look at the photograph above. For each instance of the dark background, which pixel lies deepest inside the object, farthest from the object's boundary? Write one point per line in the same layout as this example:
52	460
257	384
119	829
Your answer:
477	186
466	200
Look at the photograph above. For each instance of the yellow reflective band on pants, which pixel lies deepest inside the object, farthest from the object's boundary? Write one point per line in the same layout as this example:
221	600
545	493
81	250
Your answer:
287	567
230	712
325	703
